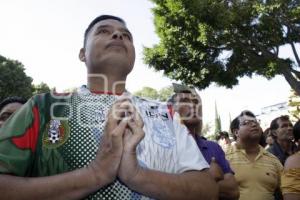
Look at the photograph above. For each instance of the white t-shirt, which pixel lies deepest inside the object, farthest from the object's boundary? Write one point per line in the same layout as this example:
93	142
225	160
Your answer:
166	147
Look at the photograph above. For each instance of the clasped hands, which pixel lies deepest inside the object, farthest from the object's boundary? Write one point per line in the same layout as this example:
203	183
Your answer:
116	156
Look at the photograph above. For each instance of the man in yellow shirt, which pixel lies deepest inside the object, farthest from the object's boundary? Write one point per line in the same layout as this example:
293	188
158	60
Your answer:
256	170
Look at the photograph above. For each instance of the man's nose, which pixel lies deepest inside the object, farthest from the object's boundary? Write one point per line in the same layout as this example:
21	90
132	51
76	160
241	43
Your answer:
117	35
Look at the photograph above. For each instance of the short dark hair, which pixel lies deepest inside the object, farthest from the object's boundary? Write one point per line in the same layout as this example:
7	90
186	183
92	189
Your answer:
98	19
172	99
274	124
222	134
296	130
13	99
235	124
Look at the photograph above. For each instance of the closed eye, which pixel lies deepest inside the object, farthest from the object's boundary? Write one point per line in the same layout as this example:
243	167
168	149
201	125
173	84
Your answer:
102	30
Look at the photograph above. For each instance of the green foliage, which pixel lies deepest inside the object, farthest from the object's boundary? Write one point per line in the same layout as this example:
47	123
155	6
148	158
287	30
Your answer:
151	93
41	88
70	90
294	106
206	41
147	92
165	93
13	80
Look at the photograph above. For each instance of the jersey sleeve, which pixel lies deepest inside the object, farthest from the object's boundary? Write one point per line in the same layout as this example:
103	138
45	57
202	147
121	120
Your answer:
189	155
18	139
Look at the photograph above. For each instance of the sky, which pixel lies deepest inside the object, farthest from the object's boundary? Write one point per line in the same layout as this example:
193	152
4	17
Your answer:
46	35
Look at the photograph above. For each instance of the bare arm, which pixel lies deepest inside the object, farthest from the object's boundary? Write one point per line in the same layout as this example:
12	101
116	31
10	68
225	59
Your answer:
160	185
291	163
228	187
73	185
78	183
188	185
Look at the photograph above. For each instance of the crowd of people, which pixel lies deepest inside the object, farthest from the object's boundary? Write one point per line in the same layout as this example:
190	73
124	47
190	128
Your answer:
101	142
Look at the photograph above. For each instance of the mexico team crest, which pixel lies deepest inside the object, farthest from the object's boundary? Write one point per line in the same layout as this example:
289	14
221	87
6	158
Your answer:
57	132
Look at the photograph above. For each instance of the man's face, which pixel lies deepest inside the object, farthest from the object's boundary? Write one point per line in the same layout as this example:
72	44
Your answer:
109	48
285	130
7	111
249	129
189	107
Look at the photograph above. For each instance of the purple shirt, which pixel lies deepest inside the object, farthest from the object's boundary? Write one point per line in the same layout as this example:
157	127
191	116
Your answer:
211	149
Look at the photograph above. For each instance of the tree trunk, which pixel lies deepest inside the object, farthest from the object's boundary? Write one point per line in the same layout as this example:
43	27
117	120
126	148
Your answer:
294	83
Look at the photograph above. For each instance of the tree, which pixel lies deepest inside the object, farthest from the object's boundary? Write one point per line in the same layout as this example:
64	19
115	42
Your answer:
13	80
41	88
205	41
218	125
147	92
165	93
162	95
70	90
294	106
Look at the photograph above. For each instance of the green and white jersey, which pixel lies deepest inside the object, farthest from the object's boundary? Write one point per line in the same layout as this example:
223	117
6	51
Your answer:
53	134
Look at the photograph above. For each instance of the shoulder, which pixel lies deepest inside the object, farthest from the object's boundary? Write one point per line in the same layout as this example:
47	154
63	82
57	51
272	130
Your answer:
51	97
292	161
272	158
233	153
268	154
271	149
48	103
213	144
232	149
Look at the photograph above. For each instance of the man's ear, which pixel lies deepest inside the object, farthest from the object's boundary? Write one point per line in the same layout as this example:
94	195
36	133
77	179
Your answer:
82	54
235	132
274	133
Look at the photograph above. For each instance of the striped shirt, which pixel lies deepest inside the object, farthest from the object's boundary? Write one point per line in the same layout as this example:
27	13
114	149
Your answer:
257	179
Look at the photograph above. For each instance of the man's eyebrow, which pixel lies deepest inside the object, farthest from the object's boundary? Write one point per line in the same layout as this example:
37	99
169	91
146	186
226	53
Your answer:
102	26
109	26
